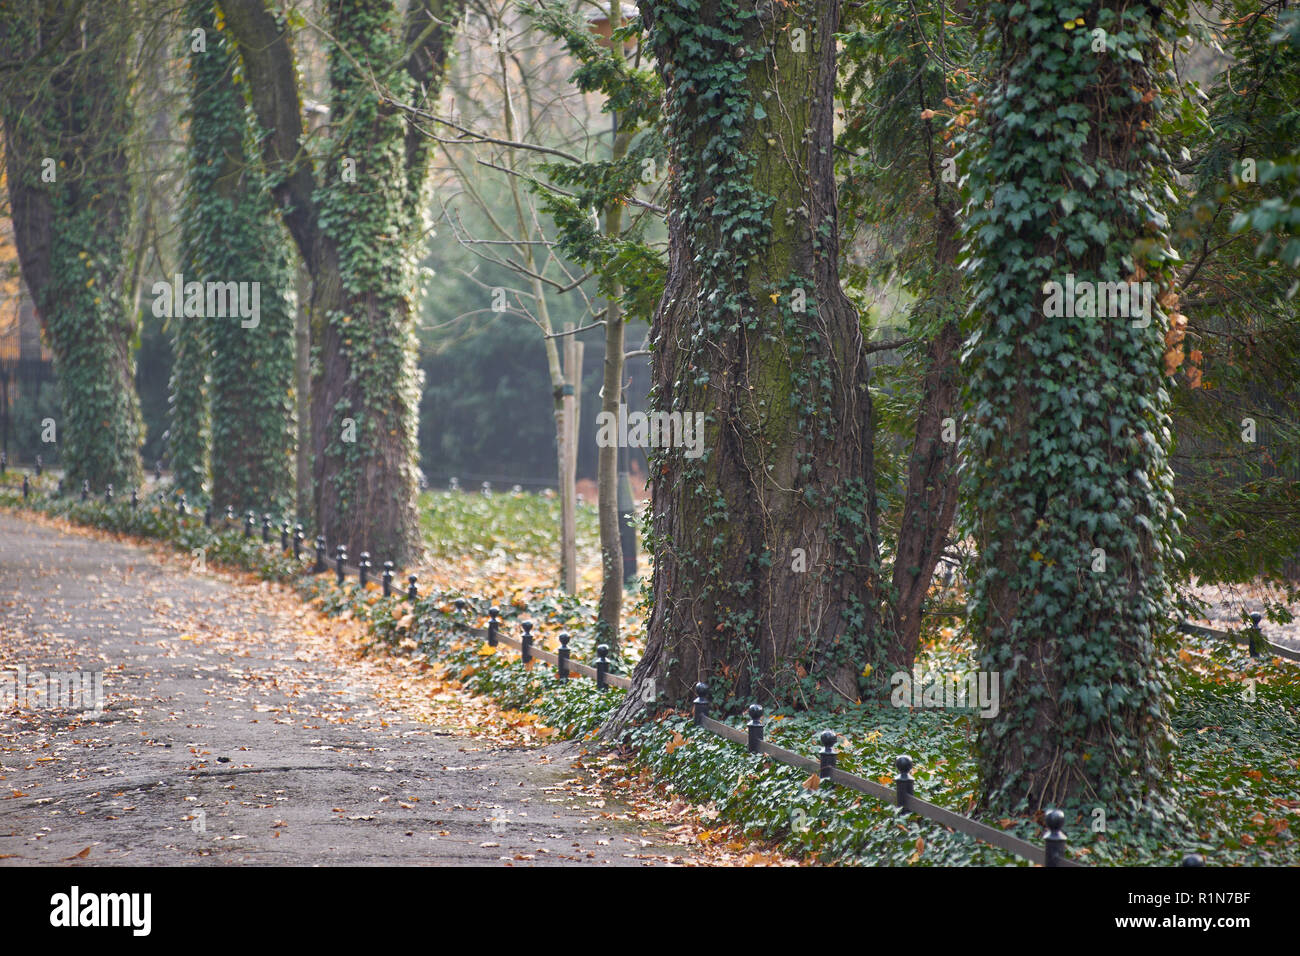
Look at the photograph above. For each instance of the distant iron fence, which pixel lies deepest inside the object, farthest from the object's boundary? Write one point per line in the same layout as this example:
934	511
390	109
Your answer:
902	794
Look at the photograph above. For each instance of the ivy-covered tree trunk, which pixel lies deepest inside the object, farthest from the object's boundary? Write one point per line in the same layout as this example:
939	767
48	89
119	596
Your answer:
231	235
359	229
1067	439
67	118
766	577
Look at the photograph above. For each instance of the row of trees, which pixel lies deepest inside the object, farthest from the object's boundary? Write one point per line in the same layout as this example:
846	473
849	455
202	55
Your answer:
984	151
353	212
1001	146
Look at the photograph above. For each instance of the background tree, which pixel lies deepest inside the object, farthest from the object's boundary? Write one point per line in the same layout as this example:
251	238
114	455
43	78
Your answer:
230	234
903	67
587	201
1067	434
66	103
356	227
1239	361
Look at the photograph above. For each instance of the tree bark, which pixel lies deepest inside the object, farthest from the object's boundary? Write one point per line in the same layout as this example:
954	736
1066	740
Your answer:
766	576
930	501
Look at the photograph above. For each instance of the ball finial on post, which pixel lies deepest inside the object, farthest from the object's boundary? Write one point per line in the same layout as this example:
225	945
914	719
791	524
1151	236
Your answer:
1055	839
827	758
412	592
526	642
904	785
755	728
700	705
562	657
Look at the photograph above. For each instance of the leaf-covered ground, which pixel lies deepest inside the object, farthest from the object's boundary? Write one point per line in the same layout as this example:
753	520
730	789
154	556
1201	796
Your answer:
1234	771
243	727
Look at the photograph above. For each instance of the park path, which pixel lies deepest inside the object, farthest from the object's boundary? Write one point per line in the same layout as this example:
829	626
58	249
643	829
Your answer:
226	739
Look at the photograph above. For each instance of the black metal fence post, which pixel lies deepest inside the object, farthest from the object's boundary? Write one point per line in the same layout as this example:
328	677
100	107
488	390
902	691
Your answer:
602	666
700	705
297	542
494	625
284	535
562	657
320	555
248	525
388	579
1256	635
85	489
904	784
266	529
135	498
827	758
182	506
27	488
108	493
755	728
363	569
230	515
1054	838
526	642
412	592
207	516
340	555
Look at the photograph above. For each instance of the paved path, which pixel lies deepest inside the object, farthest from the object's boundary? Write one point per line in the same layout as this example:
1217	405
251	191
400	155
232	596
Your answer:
223	742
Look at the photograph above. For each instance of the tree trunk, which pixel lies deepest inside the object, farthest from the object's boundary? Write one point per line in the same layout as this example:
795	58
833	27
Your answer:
611	543
67	117
930	501
1066	449
358	232
766	576
231	234
303	498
